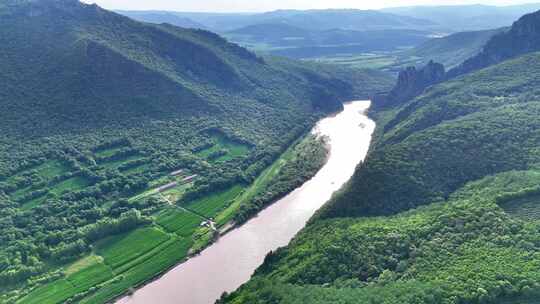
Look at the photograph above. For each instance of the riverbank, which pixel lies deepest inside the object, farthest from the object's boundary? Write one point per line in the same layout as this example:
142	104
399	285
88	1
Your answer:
230	261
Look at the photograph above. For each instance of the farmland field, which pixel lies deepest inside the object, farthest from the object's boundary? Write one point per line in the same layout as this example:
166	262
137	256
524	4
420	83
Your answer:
211	205
121	249
166	258
61	290
178	221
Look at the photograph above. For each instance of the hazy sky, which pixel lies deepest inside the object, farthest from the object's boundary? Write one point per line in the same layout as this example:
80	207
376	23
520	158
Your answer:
267	5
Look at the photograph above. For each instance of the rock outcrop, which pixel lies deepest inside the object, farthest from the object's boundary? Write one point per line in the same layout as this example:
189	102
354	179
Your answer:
411	82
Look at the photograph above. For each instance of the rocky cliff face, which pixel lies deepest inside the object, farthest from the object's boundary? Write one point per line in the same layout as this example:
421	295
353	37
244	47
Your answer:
411	82
522	38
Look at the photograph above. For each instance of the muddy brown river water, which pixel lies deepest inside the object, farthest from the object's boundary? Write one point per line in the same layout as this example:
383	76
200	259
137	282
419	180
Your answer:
230	261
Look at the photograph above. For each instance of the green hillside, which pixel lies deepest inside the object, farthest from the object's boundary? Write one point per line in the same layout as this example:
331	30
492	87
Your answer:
444	209
450	50
108	124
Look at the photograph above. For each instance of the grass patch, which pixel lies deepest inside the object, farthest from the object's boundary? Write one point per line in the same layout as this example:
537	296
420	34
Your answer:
121	249
221	142
115	163
108	152
178	221
72	184
138	169
83	263
177	192
211	205
51	169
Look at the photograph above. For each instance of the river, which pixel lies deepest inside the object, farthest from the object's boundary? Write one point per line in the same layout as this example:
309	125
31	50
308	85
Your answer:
229	262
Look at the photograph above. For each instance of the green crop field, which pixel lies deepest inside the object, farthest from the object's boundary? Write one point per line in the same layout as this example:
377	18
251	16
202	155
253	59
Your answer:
166	258
211	205
178	221
121	249
61	290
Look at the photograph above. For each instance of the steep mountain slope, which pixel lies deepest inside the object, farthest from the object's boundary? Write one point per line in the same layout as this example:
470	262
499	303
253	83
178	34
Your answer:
107	122
469	149
467	17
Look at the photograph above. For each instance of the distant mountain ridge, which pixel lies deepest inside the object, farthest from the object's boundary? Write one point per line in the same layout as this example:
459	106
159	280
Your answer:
467	17
163	17
308	19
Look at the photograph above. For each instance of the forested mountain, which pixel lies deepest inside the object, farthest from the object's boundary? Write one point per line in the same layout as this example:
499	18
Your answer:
101	112
474	17
444	209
